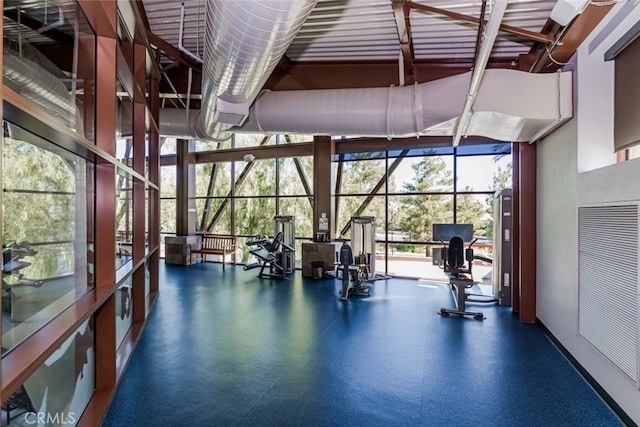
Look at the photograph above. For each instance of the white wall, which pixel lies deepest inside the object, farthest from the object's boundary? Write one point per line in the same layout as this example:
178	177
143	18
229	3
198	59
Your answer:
575	168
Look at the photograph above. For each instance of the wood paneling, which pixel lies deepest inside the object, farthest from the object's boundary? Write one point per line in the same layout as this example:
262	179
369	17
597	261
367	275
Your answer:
527	243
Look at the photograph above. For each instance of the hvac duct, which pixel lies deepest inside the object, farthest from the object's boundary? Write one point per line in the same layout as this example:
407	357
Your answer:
244	41
488	39
510	106
24	74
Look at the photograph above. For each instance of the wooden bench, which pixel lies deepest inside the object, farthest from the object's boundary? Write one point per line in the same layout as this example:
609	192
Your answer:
214	244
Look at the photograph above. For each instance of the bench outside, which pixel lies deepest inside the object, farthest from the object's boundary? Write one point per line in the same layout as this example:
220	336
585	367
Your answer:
214	244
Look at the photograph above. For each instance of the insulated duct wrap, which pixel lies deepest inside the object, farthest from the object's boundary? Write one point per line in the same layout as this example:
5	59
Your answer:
24	74
510	106
244	41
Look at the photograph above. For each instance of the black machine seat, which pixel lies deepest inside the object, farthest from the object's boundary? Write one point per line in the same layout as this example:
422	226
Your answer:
351	283
454	256
269	254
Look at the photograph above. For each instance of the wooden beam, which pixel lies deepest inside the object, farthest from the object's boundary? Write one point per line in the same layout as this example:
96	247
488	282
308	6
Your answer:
573	37
520	32
527	228
403	25
173	52
36	25
261	152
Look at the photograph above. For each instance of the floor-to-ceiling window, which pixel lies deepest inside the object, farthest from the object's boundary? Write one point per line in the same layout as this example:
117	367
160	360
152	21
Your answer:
242	196
405	190
409	190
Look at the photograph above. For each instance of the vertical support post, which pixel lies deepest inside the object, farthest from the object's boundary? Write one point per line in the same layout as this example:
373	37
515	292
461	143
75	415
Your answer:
1	154
527	243
323	183
185	188
515	228
139	196
106	202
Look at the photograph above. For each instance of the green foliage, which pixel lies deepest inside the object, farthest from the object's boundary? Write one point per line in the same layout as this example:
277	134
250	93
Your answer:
418	213
39	205
404	248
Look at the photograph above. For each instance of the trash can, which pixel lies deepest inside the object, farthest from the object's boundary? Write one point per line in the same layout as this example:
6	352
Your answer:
317	269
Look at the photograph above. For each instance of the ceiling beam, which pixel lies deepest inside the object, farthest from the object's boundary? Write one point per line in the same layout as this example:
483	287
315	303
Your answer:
36	25
401	15
551	58
520	32
173	52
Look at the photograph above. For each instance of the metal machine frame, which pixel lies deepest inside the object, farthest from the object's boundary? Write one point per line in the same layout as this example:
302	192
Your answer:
363	243
502	247
277	254
287	225
454	256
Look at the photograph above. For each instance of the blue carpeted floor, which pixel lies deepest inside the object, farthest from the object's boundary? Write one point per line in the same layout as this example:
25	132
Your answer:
227	348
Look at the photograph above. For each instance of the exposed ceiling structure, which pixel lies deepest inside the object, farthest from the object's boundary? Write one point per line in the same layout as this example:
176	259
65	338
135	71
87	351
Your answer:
371	44
365	43
218	56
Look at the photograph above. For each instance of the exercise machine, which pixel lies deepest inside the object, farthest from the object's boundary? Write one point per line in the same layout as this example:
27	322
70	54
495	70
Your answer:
501	275
287	225
12	277
276	256
454	255
363	243
352	277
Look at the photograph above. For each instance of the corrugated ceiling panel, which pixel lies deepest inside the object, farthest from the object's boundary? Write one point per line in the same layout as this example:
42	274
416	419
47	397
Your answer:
366	29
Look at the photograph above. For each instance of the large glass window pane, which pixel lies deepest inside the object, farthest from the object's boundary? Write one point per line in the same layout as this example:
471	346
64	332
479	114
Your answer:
168	182
210	145
293	139
218	217
168	216
254	216
302	209
45	232
252	140
361	176
412	216
477	173
296	176
124	125
124	220
215	177
476	209
61	85
59	391
257	178
168	146
360	206
422	175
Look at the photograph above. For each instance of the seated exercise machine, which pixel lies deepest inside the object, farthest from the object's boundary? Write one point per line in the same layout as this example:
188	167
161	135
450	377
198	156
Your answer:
277	254
353	275
356	262
363	241
454	255
12	263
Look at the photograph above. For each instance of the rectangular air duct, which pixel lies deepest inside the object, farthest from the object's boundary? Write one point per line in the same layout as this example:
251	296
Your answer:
608	283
